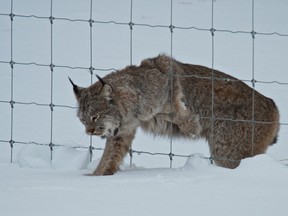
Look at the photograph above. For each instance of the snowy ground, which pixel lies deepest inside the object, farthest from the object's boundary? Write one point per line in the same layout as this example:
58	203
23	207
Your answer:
33	185
257	187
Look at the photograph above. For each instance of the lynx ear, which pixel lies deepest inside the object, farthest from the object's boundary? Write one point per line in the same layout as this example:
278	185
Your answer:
77	90
106	90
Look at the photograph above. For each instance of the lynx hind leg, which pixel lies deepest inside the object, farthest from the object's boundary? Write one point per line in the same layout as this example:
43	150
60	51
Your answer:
222	155
227	145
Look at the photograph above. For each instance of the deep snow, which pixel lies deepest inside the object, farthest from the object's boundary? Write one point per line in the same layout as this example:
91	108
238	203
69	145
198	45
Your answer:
33	185
257	187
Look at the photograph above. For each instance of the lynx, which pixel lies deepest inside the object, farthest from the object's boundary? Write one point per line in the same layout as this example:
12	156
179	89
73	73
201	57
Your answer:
169	98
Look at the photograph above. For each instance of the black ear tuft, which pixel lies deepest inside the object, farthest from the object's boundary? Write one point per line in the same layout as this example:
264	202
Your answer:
71	82
75	87
77	90
101	80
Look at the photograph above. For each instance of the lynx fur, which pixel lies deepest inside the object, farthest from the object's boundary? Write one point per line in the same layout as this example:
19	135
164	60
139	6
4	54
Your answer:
166	97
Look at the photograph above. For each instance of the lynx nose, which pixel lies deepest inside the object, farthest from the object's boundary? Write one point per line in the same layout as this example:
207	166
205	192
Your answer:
90	131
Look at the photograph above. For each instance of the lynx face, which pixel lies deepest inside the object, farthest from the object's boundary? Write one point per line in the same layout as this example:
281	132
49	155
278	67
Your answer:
98	112
99	117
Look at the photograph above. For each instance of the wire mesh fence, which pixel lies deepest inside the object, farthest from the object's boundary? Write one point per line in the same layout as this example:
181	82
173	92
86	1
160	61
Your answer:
90	24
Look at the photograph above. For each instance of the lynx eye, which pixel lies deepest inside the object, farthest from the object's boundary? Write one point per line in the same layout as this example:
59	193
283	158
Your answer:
82	120
94	118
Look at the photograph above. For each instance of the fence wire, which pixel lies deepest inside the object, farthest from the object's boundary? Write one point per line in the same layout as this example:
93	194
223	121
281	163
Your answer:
92	70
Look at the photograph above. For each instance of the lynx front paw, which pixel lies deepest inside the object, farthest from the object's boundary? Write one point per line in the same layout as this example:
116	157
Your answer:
103	171
190	126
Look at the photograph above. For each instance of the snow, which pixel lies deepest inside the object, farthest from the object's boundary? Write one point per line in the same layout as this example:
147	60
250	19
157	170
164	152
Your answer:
257	187
34	185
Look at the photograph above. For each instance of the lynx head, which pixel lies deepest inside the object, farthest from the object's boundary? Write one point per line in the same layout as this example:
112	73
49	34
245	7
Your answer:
97	110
